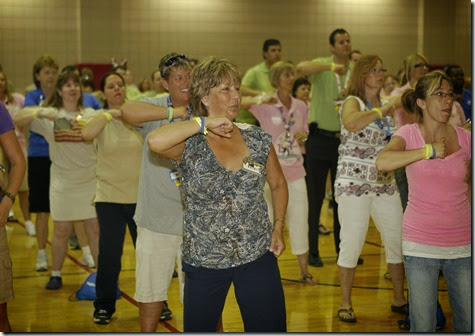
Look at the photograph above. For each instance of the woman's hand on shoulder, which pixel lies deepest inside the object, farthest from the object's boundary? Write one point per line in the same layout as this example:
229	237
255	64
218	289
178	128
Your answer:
221	126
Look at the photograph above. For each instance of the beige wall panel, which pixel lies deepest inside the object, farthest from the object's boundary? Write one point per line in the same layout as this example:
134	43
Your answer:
145	30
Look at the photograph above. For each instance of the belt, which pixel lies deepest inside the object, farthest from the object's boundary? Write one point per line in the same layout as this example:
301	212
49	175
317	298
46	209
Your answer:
326	133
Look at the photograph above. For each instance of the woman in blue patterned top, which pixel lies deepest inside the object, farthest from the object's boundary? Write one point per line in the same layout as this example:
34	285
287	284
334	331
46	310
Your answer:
228	237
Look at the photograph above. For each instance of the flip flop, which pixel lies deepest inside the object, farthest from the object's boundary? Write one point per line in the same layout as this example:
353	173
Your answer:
322	229
400	309
308	280
347	315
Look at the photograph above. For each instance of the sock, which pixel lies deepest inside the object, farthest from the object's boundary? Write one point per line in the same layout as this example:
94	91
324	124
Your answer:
28	222
86	250
56	274
42	253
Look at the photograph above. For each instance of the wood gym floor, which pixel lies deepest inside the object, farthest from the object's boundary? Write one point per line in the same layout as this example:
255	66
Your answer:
309	308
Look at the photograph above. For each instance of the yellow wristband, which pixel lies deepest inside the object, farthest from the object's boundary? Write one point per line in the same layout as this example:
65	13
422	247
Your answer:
332	67
108	116
429	151
201	122
259	99
35	114
378	111
170	113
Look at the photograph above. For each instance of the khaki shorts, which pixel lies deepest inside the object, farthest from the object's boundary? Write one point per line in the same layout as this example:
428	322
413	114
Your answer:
156	254
6	277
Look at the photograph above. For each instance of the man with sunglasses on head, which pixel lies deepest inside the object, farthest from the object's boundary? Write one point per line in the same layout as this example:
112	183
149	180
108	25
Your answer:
159	213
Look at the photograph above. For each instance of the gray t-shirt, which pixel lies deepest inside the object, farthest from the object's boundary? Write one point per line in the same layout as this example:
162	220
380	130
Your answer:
159	204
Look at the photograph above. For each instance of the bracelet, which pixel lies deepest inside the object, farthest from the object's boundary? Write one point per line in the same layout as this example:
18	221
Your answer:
429	151
108	116
279	220
201	122
434	154
3	169
378	111
10	196
170	113
332	67
35	114
259	99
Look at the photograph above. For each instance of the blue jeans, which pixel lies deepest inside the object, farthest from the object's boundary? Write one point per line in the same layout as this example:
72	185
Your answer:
423	280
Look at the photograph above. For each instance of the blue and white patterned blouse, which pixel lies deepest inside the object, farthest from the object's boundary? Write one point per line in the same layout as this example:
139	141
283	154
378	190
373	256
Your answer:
226	222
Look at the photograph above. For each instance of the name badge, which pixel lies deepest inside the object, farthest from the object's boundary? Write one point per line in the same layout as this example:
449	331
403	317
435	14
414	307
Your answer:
175	177
252	167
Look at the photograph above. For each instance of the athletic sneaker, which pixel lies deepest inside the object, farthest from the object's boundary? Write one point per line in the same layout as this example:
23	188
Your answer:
88	260
166	312
54	283
102	316
30	228
41	263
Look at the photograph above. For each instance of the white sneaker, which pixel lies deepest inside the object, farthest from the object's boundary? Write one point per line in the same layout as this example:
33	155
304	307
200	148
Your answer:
41	263
30	228
88	260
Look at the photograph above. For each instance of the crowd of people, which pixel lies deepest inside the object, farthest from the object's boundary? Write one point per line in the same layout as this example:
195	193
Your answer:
218	165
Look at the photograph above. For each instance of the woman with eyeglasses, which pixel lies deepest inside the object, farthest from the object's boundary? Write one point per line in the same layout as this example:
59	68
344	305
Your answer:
436	229
360	190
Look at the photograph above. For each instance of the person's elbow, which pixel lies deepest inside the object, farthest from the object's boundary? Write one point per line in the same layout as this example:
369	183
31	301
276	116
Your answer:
382	163
87	135
154	143
300	69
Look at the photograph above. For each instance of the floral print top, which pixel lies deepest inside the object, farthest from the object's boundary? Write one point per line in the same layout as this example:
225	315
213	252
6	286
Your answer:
226	222
356	172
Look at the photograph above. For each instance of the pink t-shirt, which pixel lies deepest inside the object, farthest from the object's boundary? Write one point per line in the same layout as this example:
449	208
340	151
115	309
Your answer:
438	211
273	119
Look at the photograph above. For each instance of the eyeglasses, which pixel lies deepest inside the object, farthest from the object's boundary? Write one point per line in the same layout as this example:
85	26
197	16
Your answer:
440	94
375	71
421	65
172	60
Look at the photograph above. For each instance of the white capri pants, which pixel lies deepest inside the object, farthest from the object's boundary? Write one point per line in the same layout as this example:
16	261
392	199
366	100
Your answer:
354	213
296	216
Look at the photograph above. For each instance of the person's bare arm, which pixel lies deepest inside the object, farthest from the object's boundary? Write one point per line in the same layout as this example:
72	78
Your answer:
280	196
12	151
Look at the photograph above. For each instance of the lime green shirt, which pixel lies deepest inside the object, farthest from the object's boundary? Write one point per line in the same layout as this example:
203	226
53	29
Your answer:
324	94
257	78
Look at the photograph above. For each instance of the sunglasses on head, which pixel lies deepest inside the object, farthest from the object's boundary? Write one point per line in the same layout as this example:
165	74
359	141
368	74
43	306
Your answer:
171	61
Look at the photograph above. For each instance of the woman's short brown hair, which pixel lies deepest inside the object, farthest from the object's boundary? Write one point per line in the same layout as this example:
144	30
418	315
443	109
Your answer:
207	74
